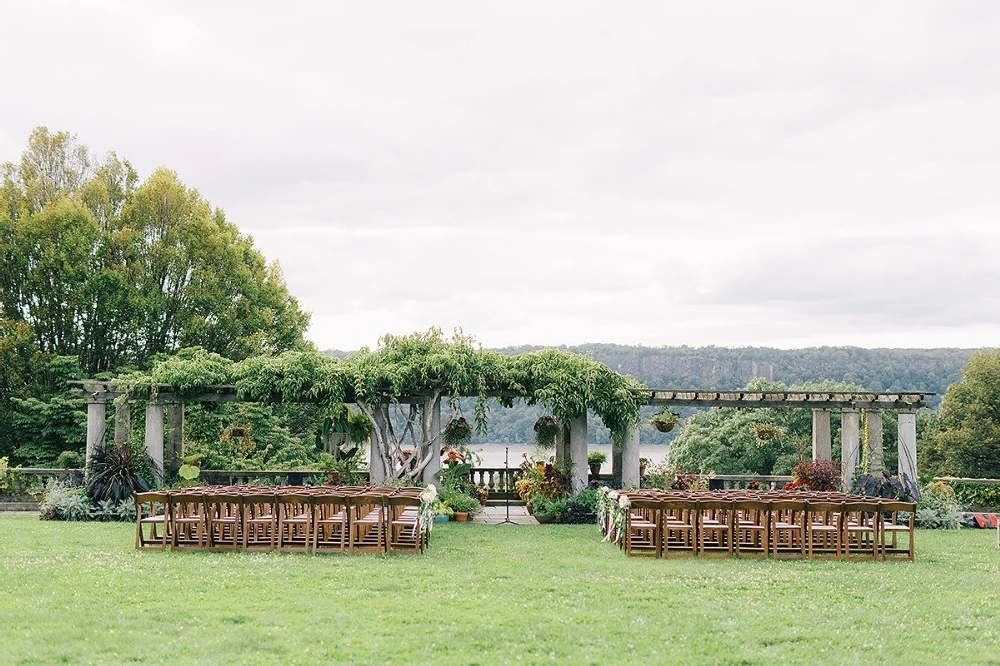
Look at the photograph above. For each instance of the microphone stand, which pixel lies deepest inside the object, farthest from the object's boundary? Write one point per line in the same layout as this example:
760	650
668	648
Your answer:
506	476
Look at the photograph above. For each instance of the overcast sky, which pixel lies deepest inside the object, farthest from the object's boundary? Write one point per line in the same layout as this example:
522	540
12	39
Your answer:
744	173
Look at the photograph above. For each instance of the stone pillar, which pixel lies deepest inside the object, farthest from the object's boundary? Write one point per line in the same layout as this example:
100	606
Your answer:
154	438
434	447
562	443
616	460
123	423
876	459
578	452
175	437
96	423
850	445
822	446
376	475
907	444
630	458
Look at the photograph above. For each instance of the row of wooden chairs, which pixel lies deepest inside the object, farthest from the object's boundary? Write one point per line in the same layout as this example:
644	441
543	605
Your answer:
316	519
782	525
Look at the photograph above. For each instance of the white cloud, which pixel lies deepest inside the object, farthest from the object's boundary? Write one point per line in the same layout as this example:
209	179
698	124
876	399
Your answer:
700	173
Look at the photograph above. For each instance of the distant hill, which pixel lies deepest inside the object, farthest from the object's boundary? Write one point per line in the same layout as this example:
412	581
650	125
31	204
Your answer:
731	368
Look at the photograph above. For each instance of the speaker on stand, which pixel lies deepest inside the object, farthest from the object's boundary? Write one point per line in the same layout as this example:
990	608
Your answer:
506	476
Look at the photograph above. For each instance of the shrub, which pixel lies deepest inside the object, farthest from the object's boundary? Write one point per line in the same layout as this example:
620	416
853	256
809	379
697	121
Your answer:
976	496
581	508
937	508
820	475
887	487
111	511
115	473
61	502
70	460
461	503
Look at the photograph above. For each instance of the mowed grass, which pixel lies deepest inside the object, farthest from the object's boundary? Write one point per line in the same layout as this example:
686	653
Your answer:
80	593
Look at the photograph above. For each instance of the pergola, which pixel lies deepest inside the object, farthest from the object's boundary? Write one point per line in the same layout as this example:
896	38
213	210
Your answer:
165	445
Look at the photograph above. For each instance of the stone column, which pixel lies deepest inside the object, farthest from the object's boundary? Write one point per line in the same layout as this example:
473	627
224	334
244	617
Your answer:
434	447
562	442
578	452
616	460
850	445
175	437
822	446
154	438
907	444
876	459
96	423
376	475
630	459
123	423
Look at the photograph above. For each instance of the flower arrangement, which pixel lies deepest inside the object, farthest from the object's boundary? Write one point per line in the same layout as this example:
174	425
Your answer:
428	508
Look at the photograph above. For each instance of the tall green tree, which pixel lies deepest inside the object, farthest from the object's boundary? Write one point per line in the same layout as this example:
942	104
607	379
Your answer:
967	440
114	272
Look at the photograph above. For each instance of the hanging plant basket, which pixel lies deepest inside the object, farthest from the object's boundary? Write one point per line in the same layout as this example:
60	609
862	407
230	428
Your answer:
458	431
546	429
766	432
665	421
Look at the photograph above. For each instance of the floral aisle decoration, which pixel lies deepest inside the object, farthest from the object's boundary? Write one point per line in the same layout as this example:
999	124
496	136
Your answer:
428	502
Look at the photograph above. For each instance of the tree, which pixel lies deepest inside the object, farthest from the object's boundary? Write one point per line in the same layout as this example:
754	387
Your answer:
967	441
97	266
750	441
114	272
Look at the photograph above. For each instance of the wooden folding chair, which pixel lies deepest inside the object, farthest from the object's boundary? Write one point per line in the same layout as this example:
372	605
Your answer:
155	519
715	528
788	529
824	530
260	522
751	528
223	518
330	522
890	525
859	533
187	520
643	528
295	522
404	531
367	522
679	527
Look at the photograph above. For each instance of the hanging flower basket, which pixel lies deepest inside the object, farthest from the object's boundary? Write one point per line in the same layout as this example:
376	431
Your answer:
546	430
766	432
458	431
665	421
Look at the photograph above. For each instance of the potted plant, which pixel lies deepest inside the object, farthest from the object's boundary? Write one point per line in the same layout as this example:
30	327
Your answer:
595	459
458	431
665	420
549	510
546	428
462	506
442	512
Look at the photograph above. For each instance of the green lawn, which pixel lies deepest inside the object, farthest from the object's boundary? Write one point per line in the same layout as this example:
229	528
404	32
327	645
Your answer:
79	593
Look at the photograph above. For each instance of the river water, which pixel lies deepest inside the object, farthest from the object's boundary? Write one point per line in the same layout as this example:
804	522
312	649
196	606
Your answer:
492	455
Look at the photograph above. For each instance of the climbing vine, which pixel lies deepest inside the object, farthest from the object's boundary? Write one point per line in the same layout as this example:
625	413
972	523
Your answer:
402	373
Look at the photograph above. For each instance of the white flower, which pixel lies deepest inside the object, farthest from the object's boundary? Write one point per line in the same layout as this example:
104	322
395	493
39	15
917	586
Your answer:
613	495
623	502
